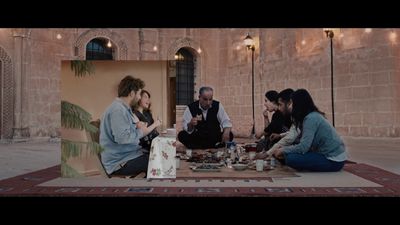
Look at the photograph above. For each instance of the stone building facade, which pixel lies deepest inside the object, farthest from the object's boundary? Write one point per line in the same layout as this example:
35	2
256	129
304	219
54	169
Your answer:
366	72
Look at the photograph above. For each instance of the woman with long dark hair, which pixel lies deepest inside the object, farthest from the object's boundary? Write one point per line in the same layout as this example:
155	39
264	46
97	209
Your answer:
320	147
277	125
142	110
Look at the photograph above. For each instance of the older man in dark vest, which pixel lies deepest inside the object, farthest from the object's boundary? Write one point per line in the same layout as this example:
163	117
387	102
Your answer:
205	123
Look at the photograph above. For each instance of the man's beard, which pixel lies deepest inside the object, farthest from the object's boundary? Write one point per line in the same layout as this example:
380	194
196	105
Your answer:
134	101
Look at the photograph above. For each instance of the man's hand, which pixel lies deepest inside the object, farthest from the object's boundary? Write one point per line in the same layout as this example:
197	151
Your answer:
225	136
265	113
278	153
274	137
193	122
259	134
261	155
157	123
141	125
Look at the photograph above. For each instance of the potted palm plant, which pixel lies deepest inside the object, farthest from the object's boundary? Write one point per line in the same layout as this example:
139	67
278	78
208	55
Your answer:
75	117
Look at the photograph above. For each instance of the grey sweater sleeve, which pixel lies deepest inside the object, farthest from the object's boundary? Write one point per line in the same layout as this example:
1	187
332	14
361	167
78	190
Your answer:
310	126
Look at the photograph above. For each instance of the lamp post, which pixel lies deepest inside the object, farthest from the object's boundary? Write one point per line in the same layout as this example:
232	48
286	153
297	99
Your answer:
330	34
249	42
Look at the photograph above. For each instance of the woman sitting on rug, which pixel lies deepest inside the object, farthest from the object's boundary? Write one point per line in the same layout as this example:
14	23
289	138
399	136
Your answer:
279	124
320	148
142	110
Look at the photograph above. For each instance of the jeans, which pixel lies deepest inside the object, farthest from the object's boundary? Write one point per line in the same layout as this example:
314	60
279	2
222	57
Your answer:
312	161
134	166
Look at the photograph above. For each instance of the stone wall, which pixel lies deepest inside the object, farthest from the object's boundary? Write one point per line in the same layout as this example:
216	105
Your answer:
366	71
366	76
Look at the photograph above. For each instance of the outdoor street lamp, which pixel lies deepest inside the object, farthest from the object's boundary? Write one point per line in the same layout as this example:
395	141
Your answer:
249	42
330	34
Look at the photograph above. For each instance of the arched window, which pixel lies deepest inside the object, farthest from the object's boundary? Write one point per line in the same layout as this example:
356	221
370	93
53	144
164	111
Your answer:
184	77
99	49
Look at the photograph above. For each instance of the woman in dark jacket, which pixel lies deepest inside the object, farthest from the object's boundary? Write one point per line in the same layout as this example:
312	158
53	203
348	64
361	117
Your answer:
143	112
278	124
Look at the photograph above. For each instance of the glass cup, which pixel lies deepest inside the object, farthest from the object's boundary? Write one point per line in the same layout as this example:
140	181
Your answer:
220	153
178	162
252	155
189	152
260	165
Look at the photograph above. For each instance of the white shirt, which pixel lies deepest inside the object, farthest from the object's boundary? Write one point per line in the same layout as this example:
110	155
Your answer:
287	140
222	117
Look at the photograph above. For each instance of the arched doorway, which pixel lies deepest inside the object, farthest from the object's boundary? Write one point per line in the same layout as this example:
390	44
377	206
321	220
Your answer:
185	62
100	49
118	43
187	45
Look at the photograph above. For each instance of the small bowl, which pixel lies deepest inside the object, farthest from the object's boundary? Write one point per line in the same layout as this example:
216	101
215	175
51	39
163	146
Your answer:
239	166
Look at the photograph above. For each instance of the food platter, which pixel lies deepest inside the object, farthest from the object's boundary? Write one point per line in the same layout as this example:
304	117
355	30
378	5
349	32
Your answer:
206	168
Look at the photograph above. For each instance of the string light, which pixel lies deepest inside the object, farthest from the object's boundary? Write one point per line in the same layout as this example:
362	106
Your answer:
176	56
59	36
303	41
199	50
393	36
109	43
155	48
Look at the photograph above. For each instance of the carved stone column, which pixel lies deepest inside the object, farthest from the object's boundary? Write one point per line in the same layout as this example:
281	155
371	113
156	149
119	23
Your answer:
20	130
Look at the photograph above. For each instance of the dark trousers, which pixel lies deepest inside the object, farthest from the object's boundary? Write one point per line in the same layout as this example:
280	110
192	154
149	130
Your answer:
134	166
312	161
196	141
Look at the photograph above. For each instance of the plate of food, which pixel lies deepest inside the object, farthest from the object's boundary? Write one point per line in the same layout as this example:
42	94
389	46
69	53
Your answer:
206	168
217	164
239	166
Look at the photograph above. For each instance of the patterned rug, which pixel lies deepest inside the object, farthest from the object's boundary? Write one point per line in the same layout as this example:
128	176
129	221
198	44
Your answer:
29	185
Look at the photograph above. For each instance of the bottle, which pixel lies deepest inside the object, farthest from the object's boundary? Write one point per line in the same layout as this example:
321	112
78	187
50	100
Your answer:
273	163
229	163
232	150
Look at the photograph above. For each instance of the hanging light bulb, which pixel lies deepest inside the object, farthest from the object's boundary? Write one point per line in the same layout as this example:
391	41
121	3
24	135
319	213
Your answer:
199	50
59	36
176	56
393	36
341	35
109	43
155	48
303	42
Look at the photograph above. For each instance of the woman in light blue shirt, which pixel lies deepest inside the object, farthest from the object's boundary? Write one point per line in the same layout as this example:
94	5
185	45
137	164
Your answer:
320	147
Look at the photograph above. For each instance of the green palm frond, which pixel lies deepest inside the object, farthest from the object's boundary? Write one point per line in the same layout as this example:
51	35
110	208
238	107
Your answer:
74	148
67	171
82	67
74	117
